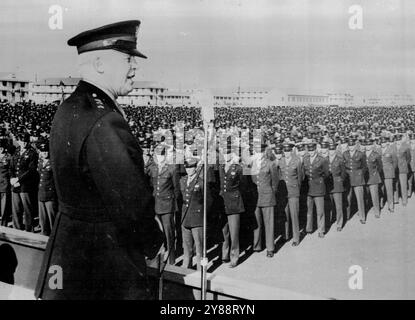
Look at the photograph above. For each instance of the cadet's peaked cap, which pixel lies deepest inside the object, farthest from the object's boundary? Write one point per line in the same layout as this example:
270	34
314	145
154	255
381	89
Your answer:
120	36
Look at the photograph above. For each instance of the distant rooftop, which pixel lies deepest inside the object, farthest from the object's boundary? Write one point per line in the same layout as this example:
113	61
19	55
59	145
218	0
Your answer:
69	81
11	76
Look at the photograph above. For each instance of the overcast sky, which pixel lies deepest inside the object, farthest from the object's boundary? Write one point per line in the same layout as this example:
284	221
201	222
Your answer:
305	46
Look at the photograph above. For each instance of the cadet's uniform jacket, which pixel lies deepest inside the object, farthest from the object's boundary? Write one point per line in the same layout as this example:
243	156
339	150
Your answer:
230	188
404	158
166	187
316	172
389	162
412	159
24	167
355	167
292	175
374	168
337	174
192	193
266	181
106	222
5	173
46	190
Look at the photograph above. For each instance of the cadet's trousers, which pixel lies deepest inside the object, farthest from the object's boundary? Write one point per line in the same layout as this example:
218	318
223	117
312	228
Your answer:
192	238
336	200
231	238
402	184
292	210
47	214
3	208
374	194
321	223
265	220
22	202
388	190
167	221
358	191
410	183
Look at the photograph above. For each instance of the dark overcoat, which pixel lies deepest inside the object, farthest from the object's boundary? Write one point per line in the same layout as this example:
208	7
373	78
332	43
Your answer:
106	221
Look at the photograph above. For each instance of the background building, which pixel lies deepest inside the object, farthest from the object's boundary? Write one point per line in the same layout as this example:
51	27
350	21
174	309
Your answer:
385	100
52	89
13	89
341	99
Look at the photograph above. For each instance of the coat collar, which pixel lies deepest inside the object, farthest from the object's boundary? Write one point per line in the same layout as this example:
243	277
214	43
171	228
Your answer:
97	93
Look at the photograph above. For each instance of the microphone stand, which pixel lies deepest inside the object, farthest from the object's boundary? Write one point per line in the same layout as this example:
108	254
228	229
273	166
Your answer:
204	260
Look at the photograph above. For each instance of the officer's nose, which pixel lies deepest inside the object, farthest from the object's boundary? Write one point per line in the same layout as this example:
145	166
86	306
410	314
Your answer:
133	63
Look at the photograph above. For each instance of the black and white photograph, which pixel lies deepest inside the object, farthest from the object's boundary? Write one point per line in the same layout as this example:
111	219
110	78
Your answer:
226	151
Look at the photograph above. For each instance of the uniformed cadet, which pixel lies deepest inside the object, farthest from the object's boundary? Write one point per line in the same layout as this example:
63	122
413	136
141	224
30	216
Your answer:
24	181
291	175
165	180
412	164
4	182
317	171
373	174
355	163
265	177
191	186
336	182
230	174
301	150
390	166
403	153
99	177
47	201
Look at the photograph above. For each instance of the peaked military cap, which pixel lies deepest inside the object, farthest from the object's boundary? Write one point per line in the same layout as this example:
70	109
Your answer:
324	145
120	36
311	145
300	146
278	149
190	162
287	146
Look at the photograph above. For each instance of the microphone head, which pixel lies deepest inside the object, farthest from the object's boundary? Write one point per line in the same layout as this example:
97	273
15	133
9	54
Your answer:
204	98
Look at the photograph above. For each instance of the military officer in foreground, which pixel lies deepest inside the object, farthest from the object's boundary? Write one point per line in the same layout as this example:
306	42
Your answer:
412	164
389	167
336	183
355	163
317	171
191	186
4	182
230	174
106	223
165	181
373	174
46	192
404	159
24	180
265	177
292	174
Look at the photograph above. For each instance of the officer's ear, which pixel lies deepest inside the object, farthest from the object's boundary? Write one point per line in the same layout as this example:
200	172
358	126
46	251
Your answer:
98	64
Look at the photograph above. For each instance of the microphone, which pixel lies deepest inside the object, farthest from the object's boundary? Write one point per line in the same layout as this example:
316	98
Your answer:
204	98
